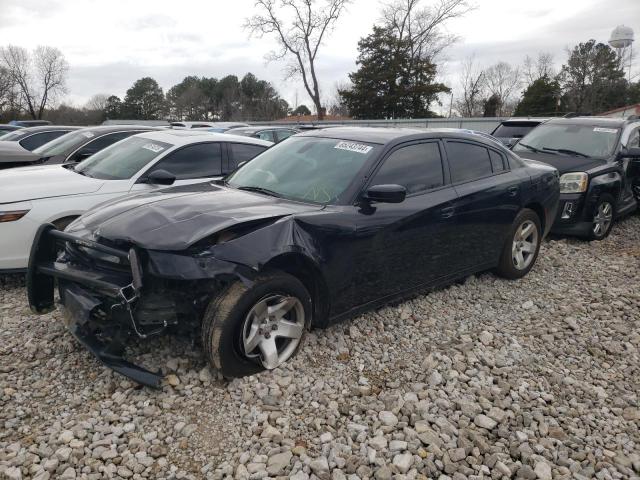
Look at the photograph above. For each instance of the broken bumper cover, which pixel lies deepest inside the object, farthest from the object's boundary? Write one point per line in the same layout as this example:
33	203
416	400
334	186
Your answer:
82	292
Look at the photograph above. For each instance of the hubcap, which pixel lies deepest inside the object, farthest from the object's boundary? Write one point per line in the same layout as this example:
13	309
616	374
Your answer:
273	329
602	219
525	244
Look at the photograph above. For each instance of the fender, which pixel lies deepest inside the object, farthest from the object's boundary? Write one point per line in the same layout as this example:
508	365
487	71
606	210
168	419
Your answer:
609	182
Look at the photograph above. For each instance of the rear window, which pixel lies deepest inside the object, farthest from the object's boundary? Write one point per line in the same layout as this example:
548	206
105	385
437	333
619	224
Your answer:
514	130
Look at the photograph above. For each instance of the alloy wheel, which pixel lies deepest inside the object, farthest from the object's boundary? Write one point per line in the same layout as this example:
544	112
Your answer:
602	219
273	329
525	245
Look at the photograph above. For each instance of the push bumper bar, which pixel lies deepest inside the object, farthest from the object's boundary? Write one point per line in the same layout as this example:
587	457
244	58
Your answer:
82	291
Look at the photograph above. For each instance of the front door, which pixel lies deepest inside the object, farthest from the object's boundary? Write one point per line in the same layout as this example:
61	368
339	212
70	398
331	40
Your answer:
405	245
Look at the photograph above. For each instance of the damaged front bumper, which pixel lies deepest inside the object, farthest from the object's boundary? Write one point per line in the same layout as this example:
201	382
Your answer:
99	307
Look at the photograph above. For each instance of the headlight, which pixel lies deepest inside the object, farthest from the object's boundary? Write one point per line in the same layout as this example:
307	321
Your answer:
574	182
12	216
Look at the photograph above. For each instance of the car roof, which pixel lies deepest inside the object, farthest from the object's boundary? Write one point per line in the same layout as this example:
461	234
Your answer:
255	128
525	120
590	121
384	136
48	128
186	137
119	128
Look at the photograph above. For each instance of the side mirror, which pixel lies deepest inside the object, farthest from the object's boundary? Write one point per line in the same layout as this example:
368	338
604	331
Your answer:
80	156
386	193
161	177
633	152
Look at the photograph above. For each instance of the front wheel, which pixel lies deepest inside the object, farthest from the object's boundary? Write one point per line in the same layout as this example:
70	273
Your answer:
247	330
521	249
602	219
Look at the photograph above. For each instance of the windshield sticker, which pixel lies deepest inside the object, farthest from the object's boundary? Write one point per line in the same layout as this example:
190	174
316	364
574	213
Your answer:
354	147
153	147
88	134
605	130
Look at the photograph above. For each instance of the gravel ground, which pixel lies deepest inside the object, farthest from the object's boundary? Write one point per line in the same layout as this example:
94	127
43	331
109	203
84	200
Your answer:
538	378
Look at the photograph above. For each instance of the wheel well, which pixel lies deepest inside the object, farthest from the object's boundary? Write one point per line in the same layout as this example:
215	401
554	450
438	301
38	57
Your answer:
61	223
306	271
536	207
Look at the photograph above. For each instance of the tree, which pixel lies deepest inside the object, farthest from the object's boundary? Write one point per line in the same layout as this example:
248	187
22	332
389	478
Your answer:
299	38
472	85
542	66
301	110
540	98
492	106
592	79
98	102
39	76
422	26
502	81
187	100
144	100
113	108
388	82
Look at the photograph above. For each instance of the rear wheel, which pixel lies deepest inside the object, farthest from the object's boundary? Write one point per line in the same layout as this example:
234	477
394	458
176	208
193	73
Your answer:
247	330
602	218
521	249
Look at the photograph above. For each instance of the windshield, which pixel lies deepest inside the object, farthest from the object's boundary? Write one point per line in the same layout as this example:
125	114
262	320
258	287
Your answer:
514	130
587	140
307	169
67	143
122	160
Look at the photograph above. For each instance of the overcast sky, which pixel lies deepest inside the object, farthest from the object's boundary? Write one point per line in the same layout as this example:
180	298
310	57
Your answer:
111	43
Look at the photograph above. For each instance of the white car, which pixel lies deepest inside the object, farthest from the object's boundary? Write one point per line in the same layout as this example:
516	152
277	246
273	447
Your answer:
31	196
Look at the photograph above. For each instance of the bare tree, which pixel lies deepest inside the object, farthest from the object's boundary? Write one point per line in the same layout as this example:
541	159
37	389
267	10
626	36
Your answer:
98	102
421	26
473	87
39	77
300	36
535	69
503	81
335	104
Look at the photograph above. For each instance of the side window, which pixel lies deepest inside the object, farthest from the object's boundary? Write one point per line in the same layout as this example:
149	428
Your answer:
193	161
282	134
98	144
468	161
418	168
497	162
34	141
266	135
634	139
242	152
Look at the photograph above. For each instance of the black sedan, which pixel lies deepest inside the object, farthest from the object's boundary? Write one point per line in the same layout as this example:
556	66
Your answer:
599	160
72	147
314	230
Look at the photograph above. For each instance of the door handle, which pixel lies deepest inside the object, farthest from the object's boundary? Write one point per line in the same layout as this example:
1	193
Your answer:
513	191
447	212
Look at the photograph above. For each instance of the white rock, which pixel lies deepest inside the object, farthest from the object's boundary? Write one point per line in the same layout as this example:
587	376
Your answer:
485	422
388	418
543	471
403	462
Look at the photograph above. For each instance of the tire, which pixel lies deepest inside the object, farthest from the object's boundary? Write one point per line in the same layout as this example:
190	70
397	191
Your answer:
527	222
605	210
234	315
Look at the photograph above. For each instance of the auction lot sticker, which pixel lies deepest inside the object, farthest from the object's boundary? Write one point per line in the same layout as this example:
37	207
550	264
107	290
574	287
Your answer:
605	130
153	147
354	147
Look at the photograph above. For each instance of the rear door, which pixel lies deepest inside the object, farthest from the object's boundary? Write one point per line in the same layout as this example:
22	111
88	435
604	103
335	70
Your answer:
487	203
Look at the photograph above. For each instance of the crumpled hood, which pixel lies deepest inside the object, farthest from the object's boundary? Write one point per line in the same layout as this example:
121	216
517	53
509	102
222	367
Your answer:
43	181
175	218
12	152
564	163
